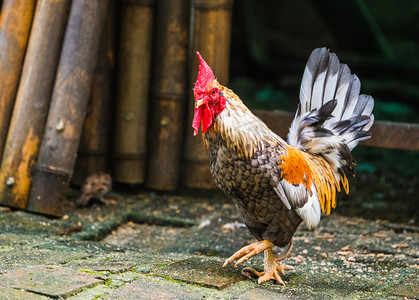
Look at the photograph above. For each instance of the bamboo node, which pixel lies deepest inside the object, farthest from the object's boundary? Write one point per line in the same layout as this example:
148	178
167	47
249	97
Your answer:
10	181
129	117
164	121
60	125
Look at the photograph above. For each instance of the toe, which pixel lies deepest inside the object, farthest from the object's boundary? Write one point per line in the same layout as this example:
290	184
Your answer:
262	279
239	254
282	268
246	252
287	268
274	276
226	263
278	278
245	258
248	270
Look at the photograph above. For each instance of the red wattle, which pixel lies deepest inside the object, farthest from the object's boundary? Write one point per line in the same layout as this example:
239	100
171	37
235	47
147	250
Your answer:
197	118
207	120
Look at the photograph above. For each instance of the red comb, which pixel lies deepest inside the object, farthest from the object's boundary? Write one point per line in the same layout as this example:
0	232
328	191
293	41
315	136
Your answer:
205	76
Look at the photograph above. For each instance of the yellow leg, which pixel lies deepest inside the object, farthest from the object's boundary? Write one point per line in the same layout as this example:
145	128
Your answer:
271	265
247	252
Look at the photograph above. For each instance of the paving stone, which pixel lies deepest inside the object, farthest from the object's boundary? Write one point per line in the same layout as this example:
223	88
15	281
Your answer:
259	293
345	258
104	263
149	288
9	240
117	280
7	293
207	237
408	287
218	234
203	271
113	281
144	236
117	262
52	281
92	293
26	223
18	259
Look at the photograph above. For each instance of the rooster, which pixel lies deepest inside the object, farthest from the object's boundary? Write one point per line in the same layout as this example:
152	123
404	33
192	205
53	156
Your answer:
275	184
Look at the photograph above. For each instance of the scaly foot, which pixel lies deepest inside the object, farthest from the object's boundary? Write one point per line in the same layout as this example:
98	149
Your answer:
271	263
247	252
268	274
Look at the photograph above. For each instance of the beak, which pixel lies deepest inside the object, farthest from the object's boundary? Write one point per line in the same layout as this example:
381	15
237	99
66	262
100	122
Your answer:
198	103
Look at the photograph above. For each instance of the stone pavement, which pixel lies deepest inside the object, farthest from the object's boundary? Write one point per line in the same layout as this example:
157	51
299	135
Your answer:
152	246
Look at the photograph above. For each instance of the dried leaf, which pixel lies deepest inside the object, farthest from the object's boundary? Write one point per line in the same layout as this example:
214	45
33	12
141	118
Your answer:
400	246
380	235
325	236
71	230
346	248
345	253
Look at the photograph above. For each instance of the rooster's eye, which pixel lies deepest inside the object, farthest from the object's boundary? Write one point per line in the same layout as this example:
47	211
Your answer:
214	91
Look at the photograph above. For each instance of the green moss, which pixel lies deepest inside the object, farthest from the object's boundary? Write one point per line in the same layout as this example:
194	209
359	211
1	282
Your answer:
87	271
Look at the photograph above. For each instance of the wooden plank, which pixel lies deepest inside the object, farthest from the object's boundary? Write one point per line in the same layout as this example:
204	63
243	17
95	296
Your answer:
385	134
278	121
394	136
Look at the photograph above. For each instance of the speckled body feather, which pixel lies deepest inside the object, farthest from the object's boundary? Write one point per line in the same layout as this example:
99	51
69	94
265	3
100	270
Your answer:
248	181
246	167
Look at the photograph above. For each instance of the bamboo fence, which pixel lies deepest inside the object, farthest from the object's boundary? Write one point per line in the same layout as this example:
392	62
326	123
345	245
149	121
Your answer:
91	86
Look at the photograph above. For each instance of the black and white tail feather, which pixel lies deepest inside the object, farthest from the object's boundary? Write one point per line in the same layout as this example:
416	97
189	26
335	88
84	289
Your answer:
331	119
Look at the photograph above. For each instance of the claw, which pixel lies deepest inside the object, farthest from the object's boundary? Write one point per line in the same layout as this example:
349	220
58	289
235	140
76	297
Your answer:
247	252
265	275
272	266
282	268
271	275
246	257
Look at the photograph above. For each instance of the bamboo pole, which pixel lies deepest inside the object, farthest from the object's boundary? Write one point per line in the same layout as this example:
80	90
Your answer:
94	145
132	92
15	24
169	95
67	111
32	101
211	37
